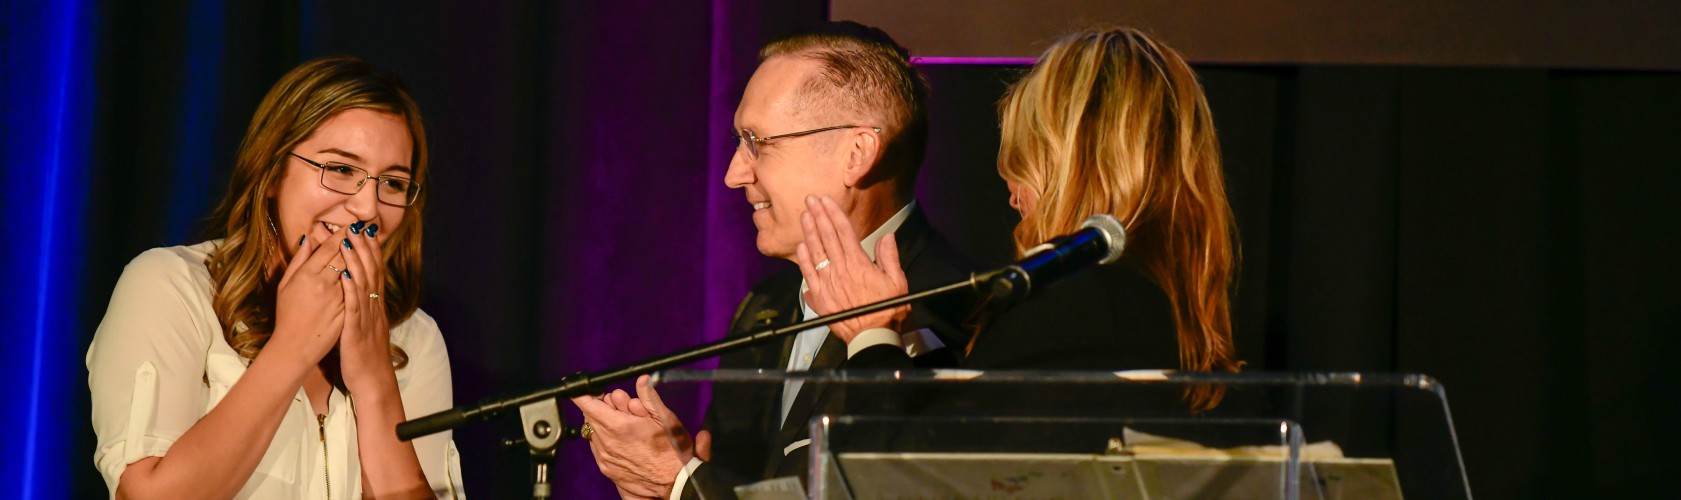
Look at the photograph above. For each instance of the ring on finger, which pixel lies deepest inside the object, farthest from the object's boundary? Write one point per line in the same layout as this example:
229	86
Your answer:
373	296
821	265
586	431
335	269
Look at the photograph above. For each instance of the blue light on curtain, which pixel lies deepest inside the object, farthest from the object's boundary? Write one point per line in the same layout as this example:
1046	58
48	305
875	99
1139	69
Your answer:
190	188
46	88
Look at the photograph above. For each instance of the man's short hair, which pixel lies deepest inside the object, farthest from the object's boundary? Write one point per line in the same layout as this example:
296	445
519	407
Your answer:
866	76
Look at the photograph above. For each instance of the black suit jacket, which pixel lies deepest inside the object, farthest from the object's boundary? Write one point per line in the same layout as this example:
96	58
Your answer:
748	438
1108	318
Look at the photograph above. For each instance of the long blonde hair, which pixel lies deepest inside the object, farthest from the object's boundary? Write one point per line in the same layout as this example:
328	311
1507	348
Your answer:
1111	121
245	267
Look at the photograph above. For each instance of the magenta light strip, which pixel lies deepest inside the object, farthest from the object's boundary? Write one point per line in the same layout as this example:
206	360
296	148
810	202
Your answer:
992	61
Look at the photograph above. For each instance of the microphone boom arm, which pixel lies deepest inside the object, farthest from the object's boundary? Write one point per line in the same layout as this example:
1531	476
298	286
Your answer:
581	383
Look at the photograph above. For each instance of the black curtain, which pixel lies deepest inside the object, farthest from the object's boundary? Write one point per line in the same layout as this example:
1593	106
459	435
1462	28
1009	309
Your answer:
1502	230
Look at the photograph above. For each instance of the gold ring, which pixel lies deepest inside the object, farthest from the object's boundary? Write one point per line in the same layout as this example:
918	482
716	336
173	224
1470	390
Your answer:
373	295
330	266
586	431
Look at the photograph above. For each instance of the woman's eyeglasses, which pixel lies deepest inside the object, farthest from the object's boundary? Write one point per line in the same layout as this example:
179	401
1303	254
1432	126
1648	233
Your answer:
348	179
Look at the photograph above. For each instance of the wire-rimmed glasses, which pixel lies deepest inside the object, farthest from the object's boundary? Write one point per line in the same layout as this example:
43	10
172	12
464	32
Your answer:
752	142
348	179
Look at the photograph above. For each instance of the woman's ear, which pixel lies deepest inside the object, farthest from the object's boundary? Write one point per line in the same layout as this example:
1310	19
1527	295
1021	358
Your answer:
863	149
272	190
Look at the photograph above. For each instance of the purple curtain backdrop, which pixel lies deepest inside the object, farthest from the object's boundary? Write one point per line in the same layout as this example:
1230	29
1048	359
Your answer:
613	237
626	241
643	250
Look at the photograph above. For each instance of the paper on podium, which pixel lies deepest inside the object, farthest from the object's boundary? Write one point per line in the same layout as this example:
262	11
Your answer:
782	488
1147	467
1325	472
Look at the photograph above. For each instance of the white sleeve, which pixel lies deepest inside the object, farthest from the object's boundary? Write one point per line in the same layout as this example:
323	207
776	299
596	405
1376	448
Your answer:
426	387
871	338
146	363
683	477
920	342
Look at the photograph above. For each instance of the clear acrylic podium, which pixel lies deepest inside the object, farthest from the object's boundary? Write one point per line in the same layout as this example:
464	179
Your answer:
968	434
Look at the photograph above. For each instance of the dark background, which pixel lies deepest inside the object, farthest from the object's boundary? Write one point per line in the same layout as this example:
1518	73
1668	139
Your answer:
1505	229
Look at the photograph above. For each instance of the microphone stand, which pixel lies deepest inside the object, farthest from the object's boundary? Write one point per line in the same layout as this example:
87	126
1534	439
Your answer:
540	414
579	384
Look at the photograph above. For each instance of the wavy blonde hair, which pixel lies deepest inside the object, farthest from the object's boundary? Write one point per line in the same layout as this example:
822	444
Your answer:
1111	121
246	268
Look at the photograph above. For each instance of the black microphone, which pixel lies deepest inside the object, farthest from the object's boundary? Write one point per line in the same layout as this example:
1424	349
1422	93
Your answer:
1099	241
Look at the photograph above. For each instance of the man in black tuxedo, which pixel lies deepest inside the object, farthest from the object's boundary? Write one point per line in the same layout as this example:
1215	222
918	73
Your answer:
839	112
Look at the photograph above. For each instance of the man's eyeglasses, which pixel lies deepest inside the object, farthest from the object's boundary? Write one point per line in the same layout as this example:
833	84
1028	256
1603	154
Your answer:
347	179
746	138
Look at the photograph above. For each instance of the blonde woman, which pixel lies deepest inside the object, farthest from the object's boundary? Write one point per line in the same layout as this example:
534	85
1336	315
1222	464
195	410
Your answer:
1108	122
275	360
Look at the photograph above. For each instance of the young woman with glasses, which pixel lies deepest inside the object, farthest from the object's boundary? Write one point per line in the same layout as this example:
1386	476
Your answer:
276	359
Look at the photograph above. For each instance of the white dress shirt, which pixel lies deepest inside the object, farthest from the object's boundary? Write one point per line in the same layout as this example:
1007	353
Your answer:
807	343
158	363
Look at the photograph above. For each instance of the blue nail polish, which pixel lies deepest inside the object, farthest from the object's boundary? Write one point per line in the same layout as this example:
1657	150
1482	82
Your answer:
371	229
346	273
347	242
302	239
356	227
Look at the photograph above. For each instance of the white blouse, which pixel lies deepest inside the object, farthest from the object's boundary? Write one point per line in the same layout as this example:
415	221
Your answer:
158	363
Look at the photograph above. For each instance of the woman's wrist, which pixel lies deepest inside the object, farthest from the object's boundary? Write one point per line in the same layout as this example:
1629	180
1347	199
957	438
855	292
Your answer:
290	350
371	378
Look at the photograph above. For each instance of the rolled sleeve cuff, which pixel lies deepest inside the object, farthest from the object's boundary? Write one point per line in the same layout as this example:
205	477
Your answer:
921	342
871	338
683	477
116	458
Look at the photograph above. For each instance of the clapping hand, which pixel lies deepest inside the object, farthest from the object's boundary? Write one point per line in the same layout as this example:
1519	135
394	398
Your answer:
639	443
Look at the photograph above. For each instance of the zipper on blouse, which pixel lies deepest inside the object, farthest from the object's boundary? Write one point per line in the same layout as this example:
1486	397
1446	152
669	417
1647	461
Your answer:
326	473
